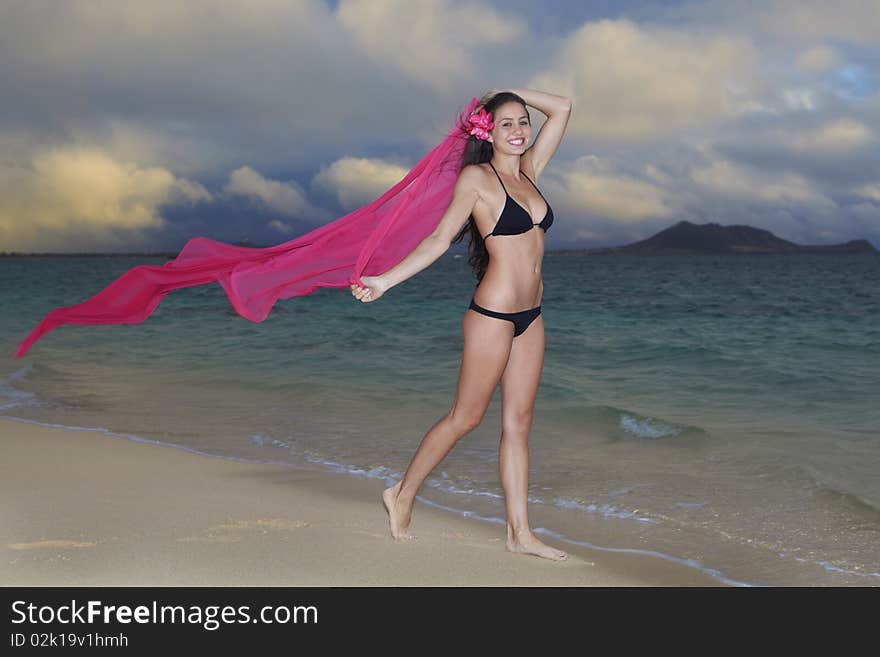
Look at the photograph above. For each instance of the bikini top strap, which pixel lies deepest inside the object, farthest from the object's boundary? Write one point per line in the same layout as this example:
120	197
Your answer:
533	184
499	177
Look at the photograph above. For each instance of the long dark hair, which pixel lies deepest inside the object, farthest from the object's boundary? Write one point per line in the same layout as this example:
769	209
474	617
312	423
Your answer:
477	151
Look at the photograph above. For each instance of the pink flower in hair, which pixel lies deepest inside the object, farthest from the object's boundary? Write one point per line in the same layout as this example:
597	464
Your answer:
481	124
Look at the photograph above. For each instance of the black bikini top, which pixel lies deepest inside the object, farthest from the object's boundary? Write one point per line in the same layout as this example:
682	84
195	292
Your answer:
515	219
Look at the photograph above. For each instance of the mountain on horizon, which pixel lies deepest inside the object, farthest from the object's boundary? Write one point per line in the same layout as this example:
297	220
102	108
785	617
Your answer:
683	238
686	238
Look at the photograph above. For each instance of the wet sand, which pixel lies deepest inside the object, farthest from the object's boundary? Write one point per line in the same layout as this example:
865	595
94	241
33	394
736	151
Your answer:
81	508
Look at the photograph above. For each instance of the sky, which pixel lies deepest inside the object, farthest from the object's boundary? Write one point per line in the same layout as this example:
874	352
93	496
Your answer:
130	126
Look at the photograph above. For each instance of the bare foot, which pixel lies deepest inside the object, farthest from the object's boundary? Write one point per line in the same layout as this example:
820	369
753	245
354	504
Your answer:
399	518
527	543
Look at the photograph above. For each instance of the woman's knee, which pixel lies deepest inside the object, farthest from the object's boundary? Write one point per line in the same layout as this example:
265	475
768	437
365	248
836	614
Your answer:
517	422
465	421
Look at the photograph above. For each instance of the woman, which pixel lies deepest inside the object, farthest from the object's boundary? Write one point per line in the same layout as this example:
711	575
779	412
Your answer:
507	216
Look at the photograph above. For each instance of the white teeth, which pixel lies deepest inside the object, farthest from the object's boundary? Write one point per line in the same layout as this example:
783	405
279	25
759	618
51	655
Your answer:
517	142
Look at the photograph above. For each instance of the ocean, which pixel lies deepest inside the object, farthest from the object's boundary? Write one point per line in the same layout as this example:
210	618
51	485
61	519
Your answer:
718	411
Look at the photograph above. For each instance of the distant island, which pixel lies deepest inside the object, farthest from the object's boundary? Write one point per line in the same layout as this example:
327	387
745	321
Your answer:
686	238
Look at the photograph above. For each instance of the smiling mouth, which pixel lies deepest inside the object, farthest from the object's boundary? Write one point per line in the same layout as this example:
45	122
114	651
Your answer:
516	142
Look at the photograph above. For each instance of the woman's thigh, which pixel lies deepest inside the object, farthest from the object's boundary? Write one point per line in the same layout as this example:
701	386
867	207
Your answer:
487	345
519	382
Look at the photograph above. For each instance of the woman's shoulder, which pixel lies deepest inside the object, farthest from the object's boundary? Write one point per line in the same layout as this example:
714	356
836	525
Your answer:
477	177
475	174
475	169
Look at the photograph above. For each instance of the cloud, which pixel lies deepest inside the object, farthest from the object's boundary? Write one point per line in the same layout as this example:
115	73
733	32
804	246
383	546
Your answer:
818	59
868	216
785	22
590	186
286	198
869	191
796	99
196	72
356	181
842	134
834	153
69	197
432	42
855	21
739	182
280	226
632	82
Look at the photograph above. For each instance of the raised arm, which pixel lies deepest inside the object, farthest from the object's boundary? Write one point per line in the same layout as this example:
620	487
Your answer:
558	110
464	198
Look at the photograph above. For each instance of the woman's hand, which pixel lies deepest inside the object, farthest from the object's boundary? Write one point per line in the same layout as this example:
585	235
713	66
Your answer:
374	289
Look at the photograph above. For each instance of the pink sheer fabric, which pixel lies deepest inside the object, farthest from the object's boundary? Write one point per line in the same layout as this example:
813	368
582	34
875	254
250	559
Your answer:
365	242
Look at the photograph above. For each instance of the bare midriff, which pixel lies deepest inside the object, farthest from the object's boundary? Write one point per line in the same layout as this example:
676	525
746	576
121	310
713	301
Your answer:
512	281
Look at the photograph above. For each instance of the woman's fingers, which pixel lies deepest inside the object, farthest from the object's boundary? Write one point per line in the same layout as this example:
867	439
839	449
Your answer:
361	292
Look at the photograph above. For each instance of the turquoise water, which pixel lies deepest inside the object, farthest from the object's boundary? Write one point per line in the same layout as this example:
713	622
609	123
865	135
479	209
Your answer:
717	410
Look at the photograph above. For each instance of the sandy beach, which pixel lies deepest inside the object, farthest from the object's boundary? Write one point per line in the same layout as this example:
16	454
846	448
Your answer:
82	508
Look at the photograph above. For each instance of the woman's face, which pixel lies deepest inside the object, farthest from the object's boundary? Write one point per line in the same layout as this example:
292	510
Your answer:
512	132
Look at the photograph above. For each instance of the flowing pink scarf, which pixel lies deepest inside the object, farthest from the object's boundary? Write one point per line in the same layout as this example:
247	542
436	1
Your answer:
365	242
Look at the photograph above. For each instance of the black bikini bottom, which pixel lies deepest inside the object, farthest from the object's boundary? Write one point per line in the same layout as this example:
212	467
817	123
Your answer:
520	320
